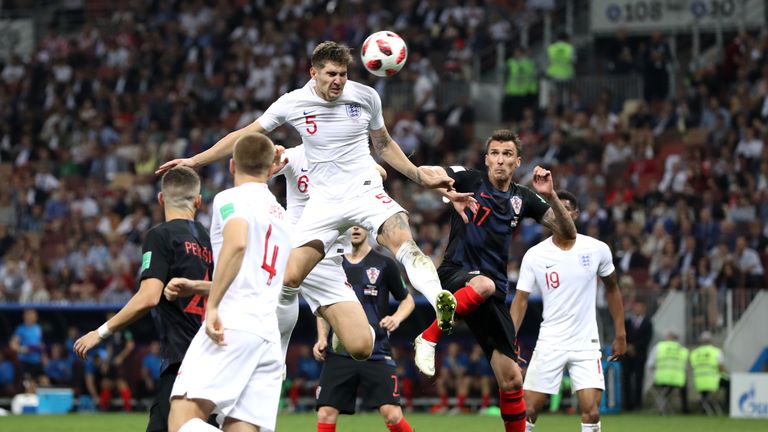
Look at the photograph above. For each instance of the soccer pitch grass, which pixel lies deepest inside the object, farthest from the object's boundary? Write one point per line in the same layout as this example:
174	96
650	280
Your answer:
420	423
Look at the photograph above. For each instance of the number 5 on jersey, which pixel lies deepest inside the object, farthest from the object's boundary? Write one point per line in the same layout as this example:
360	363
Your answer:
310	120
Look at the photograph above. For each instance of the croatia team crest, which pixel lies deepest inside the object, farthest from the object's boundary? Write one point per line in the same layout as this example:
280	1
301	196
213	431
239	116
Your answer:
354	110
373	274
517	204
586	261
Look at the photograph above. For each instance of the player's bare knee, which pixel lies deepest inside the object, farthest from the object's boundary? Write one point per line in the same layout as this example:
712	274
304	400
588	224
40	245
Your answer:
510	383
483	286
590	415
360	351
392	414
327	415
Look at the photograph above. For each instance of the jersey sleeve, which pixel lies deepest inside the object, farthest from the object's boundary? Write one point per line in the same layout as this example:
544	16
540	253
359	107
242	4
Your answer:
394	280
226	209
527	280
275	114
465	179
377	118
534	206
605	268
156	257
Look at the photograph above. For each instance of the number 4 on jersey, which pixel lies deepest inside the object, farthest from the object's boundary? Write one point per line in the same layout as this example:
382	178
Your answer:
269	268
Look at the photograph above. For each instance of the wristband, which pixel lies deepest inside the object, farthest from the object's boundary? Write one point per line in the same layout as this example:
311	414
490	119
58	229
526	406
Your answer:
103	331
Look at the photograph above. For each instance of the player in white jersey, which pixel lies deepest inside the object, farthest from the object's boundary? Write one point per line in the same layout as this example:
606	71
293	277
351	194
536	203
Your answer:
327	283
565	273
234	365
336	118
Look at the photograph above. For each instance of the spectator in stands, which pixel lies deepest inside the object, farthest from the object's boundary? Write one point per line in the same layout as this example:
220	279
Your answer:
150	369
639	334
28	343
119	347
749	263
306	376
7	376
59	366
480	376
453	377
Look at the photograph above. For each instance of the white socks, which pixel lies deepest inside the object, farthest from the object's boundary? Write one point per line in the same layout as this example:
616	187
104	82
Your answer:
197	425
590	427
287	315
421	271
585	427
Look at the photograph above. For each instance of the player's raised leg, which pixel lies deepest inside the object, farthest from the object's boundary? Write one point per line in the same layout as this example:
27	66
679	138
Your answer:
395	234
468	298
301	261
349	323
287	315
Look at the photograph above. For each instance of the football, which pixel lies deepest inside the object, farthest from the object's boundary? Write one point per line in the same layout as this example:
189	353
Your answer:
384	53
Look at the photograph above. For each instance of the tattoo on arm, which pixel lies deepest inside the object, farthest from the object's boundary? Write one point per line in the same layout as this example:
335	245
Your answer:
558	220
380	140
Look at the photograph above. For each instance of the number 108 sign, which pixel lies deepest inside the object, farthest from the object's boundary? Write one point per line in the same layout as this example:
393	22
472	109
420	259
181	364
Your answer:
644	16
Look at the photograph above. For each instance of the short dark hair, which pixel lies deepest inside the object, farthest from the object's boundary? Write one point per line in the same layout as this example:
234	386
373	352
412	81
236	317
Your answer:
253	154
564	195
180	186
504	135
333	52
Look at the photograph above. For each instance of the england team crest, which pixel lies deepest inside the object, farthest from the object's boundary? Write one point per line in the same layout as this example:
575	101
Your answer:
586	261
517	204
373	274
354	110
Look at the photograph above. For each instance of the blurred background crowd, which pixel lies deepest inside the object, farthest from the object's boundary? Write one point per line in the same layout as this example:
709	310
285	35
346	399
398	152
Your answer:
675	180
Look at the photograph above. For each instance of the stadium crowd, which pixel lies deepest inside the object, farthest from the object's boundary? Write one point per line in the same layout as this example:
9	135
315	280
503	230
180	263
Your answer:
676	183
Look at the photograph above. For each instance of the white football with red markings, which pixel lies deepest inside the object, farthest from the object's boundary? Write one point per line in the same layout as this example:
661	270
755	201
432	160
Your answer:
384	53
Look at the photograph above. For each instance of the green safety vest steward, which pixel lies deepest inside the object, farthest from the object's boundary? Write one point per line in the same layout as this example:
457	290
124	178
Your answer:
671	358
522	77
706	368
560	56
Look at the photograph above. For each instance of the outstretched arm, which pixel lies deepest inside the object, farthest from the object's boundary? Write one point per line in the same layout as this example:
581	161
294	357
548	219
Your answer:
556	218
145	299
616	308
460	200
388	149
222	149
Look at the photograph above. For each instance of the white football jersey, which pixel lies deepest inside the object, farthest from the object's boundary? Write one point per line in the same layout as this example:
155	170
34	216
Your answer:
567	282
335	135
250	302
296	173
297	189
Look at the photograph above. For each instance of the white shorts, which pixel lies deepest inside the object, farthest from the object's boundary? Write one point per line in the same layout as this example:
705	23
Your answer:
545	372
242	378
326	220
327	284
